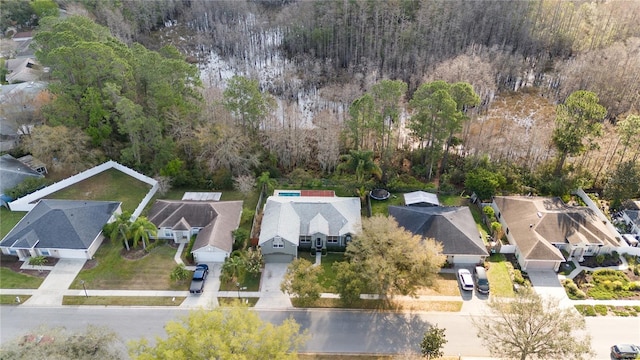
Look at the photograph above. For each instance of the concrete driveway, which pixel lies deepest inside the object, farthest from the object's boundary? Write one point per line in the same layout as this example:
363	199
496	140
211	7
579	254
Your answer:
547	284
209	297
52	289
271	297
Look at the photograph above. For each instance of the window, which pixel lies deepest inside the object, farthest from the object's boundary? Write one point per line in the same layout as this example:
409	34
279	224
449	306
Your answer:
277	242
44	252
305	239
168	232
333	239
13	251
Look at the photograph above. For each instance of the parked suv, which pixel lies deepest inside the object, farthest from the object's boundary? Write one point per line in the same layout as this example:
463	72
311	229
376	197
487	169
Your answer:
199	276
625	351
481	280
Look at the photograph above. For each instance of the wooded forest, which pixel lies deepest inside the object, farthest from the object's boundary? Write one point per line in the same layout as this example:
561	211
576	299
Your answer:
534	96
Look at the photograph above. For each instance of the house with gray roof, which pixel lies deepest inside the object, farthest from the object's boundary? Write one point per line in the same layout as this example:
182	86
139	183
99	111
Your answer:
211	222
61	229
542	226
454	227
632	219
12	173
292	222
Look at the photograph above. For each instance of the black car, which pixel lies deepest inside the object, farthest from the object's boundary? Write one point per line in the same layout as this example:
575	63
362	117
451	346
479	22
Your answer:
199	276
625	351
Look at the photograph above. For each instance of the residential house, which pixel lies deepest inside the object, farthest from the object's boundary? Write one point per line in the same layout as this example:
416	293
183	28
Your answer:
540	227
421	198
632	219
295	219
212	222
22	70
61	229
454	227
12	173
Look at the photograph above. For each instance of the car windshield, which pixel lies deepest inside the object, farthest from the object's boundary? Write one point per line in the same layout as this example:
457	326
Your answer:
199	274
483	282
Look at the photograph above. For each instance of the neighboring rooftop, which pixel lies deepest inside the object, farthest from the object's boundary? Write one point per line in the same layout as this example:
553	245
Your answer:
61	224
13	172
537	223
421	198
292	216
454	227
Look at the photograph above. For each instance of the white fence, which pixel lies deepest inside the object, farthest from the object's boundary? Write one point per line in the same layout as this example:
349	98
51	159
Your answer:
28	202
629	250
596	209
507	249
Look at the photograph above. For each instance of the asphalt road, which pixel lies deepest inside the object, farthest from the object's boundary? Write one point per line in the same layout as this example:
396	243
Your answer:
331	331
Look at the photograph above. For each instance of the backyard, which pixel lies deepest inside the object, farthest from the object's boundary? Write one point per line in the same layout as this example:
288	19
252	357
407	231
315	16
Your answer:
9	219
109	185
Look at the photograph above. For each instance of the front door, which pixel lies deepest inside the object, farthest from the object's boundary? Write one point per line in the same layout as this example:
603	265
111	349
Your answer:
318	243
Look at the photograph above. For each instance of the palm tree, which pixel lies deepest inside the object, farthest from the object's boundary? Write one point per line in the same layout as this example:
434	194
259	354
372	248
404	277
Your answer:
141	230
360	162
120	229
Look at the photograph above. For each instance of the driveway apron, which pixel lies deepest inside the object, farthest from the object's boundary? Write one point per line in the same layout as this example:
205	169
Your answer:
52	289
270	295
209	297
546	283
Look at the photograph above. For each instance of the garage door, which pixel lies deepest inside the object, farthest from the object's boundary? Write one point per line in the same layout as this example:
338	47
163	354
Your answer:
540	265
209	256
278	258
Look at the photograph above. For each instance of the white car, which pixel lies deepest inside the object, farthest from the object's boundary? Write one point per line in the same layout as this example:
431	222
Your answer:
465	279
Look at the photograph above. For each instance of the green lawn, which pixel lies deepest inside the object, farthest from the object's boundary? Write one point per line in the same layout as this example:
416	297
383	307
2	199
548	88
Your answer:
482	227
382	206
328	277
109	185
9	219
226	301
452	200
252	283
112	271
499	278
123	300
11	299
13	280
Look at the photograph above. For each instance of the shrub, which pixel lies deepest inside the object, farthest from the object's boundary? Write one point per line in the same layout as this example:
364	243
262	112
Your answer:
190	247
518	278
573	291
600	259
601	309
586	310
180	273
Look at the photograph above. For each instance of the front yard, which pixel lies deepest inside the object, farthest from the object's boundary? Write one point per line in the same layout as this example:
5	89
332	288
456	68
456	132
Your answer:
604	284
111	271
499	277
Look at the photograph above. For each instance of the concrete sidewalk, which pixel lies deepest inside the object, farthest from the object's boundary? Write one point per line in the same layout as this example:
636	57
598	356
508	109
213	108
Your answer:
53	287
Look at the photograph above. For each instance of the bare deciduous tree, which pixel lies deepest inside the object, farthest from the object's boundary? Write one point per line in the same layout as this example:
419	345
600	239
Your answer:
529	326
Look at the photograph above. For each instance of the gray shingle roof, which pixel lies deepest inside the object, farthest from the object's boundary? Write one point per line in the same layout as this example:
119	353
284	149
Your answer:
289	217
61	224
13	172
454	227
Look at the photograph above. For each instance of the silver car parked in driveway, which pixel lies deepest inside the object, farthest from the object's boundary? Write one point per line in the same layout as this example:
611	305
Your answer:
465	279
